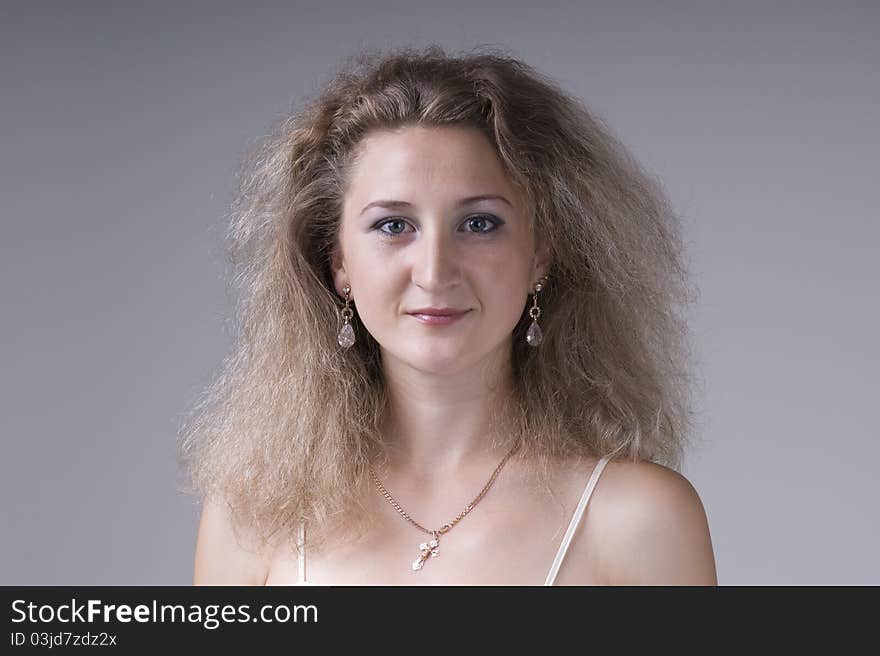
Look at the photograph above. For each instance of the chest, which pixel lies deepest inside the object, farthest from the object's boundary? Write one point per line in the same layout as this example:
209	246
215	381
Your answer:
514	543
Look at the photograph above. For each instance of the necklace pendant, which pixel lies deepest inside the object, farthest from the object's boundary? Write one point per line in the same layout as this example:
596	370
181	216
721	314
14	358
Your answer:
427	550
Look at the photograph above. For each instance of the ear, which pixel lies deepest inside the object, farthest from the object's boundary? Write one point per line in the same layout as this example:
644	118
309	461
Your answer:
541	263
337	268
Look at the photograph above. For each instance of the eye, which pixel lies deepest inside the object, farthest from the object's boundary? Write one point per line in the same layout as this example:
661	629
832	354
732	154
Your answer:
394	221
480	221
484	220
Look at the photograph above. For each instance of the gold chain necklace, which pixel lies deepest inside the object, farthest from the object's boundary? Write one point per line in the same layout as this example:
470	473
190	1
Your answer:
431	548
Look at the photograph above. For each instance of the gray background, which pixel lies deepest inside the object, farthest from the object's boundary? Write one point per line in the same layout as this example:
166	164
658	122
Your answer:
122	125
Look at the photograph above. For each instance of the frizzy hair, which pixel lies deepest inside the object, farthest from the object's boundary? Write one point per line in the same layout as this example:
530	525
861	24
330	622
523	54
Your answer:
286	428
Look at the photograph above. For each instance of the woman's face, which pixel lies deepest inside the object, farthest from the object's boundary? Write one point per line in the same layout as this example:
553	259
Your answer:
409	239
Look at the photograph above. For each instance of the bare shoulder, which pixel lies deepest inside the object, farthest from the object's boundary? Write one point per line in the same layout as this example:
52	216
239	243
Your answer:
225	556
653	527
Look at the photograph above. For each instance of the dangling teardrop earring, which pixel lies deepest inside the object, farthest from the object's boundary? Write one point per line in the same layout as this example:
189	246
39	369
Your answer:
534	337
345	338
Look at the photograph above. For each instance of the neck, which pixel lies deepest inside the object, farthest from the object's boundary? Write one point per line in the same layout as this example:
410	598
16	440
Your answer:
438	427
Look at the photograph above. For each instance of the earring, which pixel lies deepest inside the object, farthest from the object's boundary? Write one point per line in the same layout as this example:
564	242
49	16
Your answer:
534	337
345	338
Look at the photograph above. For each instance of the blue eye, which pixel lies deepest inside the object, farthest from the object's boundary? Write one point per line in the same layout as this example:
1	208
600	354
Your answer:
485	219
477	219
392	221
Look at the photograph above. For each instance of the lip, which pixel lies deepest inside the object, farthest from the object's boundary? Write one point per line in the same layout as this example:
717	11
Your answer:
438	311
435	317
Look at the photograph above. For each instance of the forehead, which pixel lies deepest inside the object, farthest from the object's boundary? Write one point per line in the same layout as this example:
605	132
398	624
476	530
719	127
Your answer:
413	161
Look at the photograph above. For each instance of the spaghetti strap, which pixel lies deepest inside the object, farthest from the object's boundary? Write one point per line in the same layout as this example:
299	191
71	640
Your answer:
575	520
301	552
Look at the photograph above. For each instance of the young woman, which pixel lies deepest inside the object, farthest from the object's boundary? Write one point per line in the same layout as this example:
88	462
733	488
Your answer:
458	356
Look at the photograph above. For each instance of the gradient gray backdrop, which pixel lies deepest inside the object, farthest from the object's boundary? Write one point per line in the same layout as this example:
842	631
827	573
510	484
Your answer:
123	123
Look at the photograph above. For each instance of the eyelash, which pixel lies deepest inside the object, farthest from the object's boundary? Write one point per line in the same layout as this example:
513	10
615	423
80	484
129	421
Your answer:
497	223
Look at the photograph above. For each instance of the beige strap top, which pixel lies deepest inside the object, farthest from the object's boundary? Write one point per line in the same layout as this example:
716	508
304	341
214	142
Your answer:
560	554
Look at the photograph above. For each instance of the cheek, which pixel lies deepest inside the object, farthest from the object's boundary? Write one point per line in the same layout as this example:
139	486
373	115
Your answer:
505	267
378	295
502	293
363	265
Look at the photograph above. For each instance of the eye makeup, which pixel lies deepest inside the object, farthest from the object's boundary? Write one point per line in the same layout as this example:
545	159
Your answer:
488	219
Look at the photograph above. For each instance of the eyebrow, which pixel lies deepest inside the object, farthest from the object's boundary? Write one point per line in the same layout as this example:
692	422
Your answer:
402	204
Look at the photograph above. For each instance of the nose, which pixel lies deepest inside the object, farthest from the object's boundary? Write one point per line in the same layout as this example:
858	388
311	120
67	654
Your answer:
436	261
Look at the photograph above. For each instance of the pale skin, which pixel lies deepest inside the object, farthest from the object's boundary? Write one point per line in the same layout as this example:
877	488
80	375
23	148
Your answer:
645	523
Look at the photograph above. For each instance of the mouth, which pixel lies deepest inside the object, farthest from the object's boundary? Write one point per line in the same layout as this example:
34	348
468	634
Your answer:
438	317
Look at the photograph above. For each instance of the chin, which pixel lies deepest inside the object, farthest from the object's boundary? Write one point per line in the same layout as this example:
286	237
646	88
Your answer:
436	360
435	365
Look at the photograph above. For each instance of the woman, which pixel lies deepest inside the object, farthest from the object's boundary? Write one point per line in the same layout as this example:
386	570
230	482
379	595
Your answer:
458	358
